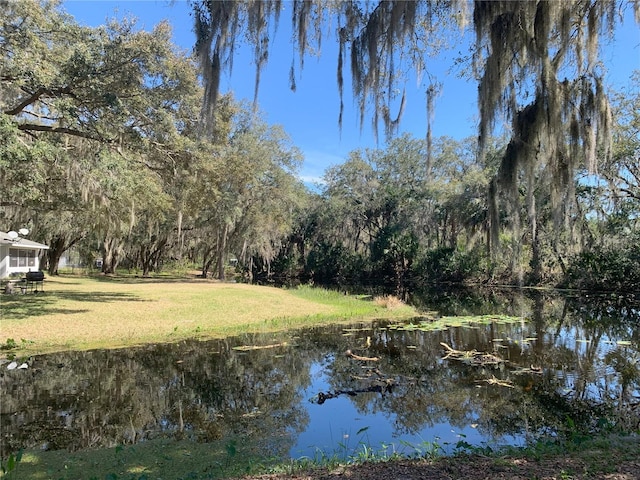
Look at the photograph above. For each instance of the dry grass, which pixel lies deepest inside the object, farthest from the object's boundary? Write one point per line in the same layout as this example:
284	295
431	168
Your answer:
83	313
388	301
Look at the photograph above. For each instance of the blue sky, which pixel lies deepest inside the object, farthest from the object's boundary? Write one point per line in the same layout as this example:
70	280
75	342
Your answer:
310	115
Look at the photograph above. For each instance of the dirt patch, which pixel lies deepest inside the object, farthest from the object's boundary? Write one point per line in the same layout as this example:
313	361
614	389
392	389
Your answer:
602	466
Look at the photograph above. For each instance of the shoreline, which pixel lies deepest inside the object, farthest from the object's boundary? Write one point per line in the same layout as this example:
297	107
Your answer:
86	313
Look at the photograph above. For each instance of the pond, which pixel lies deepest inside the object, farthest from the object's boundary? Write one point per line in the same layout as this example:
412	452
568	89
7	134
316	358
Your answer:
535	365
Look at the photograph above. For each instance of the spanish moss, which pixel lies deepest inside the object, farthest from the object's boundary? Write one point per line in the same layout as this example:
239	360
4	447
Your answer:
536	62
381	40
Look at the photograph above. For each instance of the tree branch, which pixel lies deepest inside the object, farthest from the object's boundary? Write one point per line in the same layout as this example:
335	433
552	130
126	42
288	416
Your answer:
33	97
34	127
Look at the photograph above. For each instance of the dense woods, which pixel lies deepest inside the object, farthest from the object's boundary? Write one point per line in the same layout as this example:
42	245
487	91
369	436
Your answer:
106	150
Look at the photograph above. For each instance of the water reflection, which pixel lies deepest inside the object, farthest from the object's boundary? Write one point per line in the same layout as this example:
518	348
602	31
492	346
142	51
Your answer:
571	363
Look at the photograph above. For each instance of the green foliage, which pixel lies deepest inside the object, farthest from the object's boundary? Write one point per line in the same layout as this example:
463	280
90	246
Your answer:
392	253
389	219
9	344
335	264
449	265
102	150
430	450
605	268
120	167
10	465
439	264
12	344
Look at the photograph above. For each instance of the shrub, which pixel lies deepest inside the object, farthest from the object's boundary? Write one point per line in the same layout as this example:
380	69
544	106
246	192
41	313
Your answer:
388	301
605	268
449	265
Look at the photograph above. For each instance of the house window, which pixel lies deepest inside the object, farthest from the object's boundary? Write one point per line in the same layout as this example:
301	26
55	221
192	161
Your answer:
22	258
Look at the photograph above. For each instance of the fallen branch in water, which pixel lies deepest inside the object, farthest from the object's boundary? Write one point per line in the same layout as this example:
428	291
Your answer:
528	370
385	387
471	356
246	348
350	354
495	381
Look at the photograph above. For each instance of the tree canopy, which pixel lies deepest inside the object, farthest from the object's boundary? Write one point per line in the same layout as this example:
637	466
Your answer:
521	50
101	148
536	62
105	147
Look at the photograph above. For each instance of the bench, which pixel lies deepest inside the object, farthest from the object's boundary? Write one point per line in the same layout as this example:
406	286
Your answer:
12	286
32	282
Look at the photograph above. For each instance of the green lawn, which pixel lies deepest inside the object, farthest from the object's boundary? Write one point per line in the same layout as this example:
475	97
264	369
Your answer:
79	313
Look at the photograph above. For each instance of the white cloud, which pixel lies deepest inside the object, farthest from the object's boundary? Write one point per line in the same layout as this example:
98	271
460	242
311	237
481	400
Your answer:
317	162
310	180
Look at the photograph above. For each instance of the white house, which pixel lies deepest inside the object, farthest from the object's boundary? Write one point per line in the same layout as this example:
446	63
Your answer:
18	255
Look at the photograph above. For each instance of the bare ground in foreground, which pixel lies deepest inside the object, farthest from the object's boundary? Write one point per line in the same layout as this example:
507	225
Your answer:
600	465
468	468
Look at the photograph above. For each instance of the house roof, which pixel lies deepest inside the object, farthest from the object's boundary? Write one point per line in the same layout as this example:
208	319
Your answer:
20	242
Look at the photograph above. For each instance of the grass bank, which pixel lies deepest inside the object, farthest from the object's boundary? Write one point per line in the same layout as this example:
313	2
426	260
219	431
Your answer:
601	457
82	313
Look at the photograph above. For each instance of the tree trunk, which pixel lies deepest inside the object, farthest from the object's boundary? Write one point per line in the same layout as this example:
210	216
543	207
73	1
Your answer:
453	241
222	249
110	255
493	233
57	246
207	260
145	260
56	249
150	255
536	261
250	270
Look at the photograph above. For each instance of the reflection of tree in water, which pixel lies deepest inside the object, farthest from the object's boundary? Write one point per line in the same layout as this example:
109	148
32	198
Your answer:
597	322
208	390
573	394
468	301
200	390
